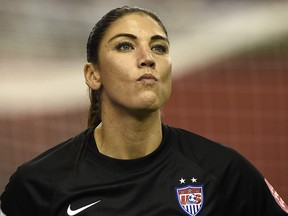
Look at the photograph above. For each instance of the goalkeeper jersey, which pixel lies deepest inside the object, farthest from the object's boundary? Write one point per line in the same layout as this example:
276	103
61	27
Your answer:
186	175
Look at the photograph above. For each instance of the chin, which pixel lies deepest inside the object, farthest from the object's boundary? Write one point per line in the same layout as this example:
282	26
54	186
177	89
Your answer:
149	103
150	108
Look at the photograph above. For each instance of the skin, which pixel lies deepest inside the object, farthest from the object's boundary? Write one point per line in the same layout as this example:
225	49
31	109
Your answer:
134	71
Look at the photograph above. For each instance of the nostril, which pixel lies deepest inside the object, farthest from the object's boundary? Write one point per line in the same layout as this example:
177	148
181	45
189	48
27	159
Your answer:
148	64
152	64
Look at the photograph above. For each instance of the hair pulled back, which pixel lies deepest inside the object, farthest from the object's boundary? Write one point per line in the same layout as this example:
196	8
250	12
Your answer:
93	44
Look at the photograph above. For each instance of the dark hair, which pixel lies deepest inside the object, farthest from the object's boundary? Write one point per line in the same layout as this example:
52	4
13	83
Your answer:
93	43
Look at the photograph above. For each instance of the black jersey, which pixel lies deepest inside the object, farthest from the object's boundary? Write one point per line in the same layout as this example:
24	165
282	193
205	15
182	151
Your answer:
187	175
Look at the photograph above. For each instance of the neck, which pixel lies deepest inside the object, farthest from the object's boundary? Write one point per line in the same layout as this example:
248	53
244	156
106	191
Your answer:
127	137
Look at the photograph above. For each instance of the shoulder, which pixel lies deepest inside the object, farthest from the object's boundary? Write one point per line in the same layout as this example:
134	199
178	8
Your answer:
200	148
236	176
215	158
34	182
61	156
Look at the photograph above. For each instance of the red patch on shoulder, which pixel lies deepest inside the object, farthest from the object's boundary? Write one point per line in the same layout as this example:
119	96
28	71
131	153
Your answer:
276	196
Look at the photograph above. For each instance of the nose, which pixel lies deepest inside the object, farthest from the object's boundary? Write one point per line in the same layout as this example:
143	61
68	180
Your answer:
147	63
146	59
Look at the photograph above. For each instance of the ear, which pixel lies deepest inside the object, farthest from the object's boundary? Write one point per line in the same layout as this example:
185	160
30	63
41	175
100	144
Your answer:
92	76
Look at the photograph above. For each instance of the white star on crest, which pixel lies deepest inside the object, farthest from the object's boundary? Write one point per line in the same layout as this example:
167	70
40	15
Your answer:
182	181
194	180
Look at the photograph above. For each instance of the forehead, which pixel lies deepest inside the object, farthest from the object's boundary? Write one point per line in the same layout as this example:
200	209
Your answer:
135	23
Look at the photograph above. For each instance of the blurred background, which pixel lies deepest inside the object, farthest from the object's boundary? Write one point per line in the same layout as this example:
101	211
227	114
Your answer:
230	71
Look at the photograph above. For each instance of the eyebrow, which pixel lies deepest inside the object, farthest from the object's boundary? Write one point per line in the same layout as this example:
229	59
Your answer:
132	36
159	37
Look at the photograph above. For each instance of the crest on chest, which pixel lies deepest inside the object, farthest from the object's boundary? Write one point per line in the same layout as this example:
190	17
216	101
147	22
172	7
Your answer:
190	198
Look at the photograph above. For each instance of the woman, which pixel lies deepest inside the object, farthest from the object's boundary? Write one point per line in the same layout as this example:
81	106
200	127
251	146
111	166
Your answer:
127	162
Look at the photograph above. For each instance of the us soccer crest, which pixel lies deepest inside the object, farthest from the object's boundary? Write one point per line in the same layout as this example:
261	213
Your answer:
190	199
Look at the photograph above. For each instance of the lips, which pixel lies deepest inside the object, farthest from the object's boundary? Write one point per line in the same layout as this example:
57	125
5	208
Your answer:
147	76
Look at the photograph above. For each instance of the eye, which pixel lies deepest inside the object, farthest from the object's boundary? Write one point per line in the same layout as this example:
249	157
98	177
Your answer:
161	49
124	46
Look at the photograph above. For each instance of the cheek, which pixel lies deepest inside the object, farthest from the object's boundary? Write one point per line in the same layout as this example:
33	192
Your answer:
109	69
167	75
166	87
169	80
114	74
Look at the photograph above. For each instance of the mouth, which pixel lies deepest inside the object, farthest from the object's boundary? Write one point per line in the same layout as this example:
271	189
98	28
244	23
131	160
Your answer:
147	77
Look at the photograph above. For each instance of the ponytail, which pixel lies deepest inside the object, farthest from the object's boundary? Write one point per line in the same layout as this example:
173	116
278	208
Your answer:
94	114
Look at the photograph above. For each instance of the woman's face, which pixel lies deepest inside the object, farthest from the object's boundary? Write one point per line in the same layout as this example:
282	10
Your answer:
134	64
